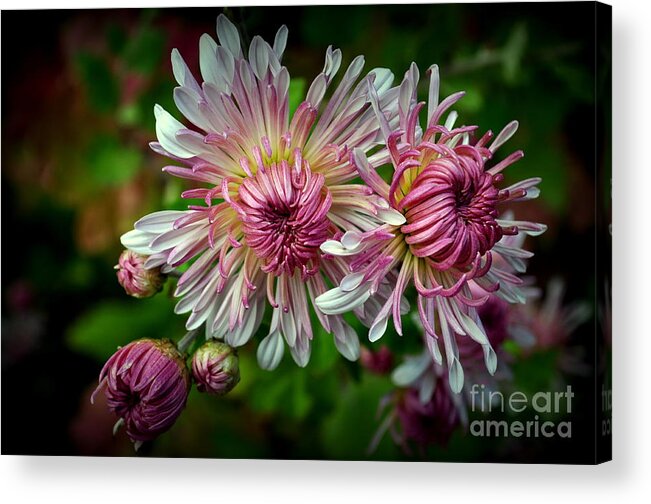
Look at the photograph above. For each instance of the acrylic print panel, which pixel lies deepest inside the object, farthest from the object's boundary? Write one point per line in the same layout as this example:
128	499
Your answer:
256	236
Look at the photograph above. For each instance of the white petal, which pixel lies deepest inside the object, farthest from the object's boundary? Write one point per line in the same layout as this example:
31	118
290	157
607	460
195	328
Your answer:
317	90
332	62
336	301
226	69
504	135
280	42
158	222
490	358
333	247
351	239
197	318
187	101
354	68
137	241
378	328
351	281
529	228
410	370
208	59
379	325
404	99
241	335
176	237
288	327
282	84
156	260
434	350
347	342
166	129
228	36
433	96
449	124
383	79
259	57
301	351
182	73
391	216
270	351
455	376
189	300
471	328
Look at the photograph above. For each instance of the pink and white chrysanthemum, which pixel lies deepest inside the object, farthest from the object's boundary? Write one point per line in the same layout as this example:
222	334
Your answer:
449	241
270	191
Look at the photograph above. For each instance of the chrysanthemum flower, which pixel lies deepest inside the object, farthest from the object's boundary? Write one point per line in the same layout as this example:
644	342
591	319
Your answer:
448	237
273	189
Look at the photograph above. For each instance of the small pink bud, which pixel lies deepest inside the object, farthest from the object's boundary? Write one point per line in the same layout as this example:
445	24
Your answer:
215	368
138	281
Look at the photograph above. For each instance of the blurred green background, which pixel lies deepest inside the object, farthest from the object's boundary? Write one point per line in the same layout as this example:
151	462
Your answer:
77	114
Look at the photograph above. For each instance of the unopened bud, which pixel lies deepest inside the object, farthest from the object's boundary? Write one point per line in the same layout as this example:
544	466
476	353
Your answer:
215	367
137	280
146	384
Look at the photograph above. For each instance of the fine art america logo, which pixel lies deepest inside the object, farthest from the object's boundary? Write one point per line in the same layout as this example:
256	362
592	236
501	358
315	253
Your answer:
545	404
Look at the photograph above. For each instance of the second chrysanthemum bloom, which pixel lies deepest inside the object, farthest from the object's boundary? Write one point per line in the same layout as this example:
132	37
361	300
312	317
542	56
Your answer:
448	238
270	191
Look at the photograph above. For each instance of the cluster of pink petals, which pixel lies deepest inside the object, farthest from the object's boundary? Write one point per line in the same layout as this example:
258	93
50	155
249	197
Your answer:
269	190
445	234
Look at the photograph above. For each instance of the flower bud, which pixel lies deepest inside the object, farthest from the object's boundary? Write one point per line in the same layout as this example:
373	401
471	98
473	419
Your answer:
146	384
215	368
137	280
